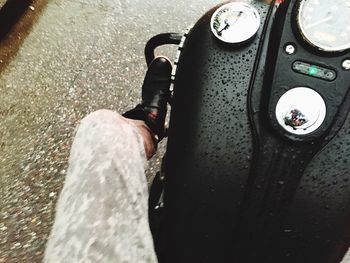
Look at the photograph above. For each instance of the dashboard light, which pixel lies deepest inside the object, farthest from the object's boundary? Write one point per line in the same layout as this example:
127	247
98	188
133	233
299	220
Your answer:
313	71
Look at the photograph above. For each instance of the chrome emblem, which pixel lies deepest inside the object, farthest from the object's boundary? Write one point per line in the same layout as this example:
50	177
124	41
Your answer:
235	22
295	118
301	111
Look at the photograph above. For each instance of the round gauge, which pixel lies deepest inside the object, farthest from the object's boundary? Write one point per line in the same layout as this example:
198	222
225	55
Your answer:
235	23
325	24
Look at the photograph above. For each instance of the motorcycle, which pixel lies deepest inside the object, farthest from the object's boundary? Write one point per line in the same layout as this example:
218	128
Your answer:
258	153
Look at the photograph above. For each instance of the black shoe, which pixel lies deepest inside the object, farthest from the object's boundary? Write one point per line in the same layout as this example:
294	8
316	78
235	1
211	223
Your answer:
155	95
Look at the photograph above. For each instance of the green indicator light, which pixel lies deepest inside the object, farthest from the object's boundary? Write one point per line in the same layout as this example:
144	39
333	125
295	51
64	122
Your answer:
313	71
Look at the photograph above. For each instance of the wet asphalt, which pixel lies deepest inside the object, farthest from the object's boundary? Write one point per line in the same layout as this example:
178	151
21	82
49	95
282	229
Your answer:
62	60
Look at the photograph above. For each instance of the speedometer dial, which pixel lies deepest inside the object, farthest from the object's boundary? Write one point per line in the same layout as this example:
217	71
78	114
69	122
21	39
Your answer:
325	24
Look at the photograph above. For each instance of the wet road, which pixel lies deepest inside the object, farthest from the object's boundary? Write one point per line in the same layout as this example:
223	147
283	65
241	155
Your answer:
66	58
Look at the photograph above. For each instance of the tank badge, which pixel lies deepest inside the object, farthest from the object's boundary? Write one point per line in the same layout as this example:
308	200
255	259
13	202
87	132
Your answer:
300	111
235	23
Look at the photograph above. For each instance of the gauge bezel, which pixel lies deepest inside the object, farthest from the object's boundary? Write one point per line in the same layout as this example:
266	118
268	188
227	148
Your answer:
243	6
308	40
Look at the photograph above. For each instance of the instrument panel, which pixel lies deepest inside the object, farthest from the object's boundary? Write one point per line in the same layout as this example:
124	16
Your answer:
324	24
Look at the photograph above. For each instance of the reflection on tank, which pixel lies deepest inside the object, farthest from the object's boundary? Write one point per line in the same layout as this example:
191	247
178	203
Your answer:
295	118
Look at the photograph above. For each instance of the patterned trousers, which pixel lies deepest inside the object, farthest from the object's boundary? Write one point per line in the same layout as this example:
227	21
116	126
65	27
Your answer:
102	211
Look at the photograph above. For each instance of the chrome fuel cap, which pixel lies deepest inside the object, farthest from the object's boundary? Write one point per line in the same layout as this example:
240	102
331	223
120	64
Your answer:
301	111
236	22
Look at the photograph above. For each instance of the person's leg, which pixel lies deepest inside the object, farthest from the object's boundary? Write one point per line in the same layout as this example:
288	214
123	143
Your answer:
102	211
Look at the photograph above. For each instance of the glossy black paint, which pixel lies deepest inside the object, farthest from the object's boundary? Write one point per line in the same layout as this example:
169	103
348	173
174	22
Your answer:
238	188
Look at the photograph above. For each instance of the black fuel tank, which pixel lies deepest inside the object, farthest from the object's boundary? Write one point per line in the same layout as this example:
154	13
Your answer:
238	187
